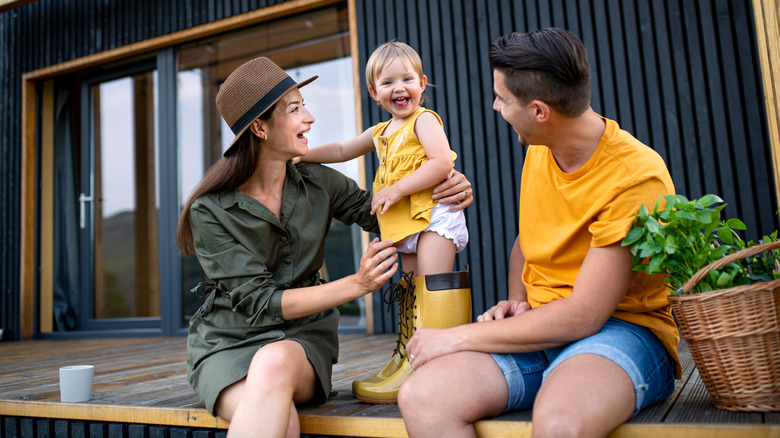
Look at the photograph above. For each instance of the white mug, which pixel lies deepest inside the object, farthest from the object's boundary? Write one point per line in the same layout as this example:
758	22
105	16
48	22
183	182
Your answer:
76	383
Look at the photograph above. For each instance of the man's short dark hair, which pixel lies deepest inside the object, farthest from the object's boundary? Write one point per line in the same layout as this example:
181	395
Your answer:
548	64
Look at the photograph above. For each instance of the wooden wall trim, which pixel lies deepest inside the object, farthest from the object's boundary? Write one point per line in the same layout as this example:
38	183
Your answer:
195	417
767	18
30	81
7	5
179	37
27	212
46	300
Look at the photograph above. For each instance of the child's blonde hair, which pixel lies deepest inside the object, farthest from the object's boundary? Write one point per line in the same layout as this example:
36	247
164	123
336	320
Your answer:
386	51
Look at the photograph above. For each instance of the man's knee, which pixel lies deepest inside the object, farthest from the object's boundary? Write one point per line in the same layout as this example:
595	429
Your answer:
556	425
409	395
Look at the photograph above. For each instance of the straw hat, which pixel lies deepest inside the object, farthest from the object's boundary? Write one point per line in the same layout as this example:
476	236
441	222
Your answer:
250	90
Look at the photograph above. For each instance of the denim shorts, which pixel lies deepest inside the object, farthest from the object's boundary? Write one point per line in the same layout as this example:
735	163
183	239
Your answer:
633	348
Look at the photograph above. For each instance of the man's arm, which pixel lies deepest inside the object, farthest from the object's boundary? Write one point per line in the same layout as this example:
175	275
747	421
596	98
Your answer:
517	301
515	284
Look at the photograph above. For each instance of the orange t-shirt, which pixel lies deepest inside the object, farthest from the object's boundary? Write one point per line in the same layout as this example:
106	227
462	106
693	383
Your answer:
563	215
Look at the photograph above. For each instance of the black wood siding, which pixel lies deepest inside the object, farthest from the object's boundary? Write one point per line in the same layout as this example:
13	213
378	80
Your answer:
22	427
682	76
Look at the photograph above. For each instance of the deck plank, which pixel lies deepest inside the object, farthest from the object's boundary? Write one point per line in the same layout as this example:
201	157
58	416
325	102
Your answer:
143	380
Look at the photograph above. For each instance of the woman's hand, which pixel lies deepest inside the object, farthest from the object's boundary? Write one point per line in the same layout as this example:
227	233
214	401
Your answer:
504	309
378	264
455	190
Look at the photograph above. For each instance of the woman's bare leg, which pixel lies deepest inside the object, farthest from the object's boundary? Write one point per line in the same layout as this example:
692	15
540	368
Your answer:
262	404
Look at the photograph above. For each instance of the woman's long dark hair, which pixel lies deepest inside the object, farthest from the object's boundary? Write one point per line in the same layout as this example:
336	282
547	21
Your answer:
229	172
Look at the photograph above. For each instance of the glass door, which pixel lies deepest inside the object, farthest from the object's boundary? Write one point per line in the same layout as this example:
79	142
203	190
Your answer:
118	203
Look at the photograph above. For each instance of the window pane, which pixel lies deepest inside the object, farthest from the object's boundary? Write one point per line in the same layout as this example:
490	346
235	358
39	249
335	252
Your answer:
125	247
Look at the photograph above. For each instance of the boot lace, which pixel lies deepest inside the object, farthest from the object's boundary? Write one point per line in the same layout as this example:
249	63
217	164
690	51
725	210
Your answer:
404	296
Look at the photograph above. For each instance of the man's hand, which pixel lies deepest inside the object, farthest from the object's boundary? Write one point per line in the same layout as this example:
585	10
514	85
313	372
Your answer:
504	309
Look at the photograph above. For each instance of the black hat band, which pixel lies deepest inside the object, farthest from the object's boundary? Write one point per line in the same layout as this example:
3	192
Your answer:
262	104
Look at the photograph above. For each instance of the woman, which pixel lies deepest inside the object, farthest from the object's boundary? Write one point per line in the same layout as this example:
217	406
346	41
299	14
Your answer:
258	225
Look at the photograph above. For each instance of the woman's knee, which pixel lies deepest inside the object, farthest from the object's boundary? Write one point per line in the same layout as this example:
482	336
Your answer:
278	360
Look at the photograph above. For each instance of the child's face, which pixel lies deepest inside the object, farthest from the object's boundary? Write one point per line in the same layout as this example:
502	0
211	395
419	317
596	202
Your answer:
398	88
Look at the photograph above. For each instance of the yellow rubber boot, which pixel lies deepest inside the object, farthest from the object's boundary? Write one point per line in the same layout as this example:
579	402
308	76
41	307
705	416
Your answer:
400	293
440	301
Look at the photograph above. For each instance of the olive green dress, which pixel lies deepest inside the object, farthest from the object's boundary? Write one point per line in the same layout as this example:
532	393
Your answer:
252	257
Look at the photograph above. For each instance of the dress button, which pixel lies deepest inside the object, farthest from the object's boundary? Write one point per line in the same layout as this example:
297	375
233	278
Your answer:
382	180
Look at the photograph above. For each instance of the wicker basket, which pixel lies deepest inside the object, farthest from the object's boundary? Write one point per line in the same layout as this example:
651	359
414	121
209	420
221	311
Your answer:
734	337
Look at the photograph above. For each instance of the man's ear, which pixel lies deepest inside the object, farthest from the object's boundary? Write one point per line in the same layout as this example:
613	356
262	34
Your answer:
542	111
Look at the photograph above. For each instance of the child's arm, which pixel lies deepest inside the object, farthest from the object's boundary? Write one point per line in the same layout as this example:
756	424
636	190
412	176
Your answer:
437	148
340	151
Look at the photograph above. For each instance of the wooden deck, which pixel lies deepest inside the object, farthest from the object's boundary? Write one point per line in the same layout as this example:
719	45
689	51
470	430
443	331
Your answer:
143	381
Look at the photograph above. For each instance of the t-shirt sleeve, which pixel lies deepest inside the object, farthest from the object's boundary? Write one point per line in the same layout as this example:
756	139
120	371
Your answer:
617	216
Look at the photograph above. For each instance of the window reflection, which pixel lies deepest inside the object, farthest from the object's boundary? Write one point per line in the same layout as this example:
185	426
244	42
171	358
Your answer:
125	249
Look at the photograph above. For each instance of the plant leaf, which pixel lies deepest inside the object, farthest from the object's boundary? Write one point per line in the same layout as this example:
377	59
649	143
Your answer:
656	264
687	215
671	244
643	213
708	200
654	226
633	236
736	224
725	235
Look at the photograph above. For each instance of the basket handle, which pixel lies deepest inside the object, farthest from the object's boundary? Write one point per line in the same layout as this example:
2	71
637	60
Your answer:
739	255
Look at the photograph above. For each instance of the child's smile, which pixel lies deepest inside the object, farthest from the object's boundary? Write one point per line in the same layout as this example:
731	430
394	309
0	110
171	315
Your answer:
400	101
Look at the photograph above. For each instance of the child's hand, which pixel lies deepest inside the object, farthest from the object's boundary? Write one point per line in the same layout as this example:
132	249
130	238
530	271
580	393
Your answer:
297	159
384	199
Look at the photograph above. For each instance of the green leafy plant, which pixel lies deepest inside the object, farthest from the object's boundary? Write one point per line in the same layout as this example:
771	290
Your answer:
687	235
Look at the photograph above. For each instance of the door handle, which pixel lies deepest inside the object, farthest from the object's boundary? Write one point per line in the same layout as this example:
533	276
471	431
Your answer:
83	199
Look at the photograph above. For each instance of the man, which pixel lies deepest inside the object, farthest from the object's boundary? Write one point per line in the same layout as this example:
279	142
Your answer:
583	340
